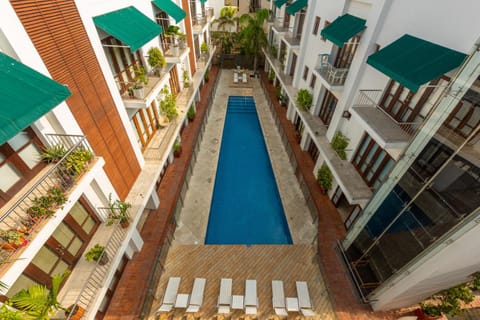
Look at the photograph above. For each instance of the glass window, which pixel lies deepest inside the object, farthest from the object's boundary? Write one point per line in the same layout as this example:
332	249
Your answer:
30	155
9	175
21	283
19	141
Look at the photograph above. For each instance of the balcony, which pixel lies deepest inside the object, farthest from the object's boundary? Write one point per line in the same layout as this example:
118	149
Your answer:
150	90
200	21
332	76
279	25
28	218
293	38
387	132
176	53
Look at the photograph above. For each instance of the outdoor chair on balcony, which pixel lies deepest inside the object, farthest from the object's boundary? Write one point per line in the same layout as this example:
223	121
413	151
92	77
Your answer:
278	298
196	299
251	300
225	296
170	295
304	302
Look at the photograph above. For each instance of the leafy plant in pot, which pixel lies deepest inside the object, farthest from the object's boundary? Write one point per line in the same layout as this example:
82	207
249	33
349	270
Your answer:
141	80
186	79
118	212
156	60
12	240
177	149
204	48
97	253
325	178
191	113
53	154
173	33
304	99
168	105
339	144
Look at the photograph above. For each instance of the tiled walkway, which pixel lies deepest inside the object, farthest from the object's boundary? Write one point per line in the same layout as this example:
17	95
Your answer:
133	288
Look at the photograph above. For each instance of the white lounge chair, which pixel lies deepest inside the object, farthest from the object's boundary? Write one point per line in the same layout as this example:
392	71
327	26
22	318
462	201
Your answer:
278	298
304	302
225	296
170	295
196	299
235	77
251	300
244	77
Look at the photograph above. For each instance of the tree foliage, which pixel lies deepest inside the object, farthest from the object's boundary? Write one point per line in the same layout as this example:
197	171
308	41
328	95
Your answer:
252	36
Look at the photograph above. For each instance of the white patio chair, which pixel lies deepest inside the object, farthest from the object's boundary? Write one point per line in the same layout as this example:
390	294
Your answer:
225	296
304	302
278	298
244	77
196	298
251	300
170	295
235	77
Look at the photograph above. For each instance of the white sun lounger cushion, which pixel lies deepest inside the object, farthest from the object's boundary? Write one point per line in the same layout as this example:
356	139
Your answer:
170	295
235	77
251	300
225	296
244	78
278	298
196	298
304	301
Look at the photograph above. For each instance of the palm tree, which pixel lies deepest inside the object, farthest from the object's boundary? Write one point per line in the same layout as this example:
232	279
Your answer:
37	301
227	18
252	36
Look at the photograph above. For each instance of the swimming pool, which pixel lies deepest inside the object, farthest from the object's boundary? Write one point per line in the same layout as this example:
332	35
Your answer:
246	206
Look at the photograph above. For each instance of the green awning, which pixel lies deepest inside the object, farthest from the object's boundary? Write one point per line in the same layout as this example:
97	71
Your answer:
280	3
171	9
203	1
26	96
412	61
296	6
343	28
128	25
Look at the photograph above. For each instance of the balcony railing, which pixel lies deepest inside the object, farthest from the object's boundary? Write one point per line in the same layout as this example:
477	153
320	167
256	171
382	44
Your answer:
96	279
369	98
202	18
280	25
293	38
19	221
334	76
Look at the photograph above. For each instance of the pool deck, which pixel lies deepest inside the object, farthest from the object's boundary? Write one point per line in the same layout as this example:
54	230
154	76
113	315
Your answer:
193	219
240	263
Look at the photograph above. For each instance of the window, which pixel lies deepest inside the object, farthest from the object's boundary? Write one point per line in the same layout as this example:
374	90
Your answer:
146	122
123	62
466	115
316	26
305	73
324	26
372	162
328	107
163	20
346	53
313	151
312	81
19	162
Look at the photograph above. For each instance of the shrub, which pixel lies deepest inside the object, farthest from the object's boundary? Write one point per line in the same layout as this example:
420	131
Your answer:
339	144
168	105
156	59
191	113
325	177
304	99
53	154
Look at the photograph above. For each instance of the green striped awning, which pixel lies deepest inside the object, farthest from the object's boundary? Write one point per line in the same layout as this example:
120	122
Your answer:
128	25
280	3
171	9
26	95
203	1
343	28
296	6
412	61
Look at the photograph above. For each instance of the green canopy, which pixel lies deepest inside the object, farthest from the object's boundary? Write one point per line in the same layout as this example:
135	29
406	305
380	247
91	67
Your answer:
26	95
129	26
343	28
280	3
203	1
412	61
171	9
296	6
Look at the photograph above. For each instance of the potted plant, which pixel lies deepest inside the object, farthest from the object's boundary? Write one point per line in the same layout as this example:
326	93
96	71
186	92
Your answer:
77	161
177	149
186	79
9	313
53	154
97	253
304	99
74	312
191	113
168	105
173	32
271	76
12	240
156	60
38	302
140	81
204	48
339	144
118	212
206	76
182	37
324	178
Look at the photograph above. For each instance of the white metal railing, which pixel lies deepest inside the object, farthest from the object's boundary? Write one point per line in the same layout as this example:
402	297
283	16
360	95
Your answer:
45	196
280	25
334	76
370	98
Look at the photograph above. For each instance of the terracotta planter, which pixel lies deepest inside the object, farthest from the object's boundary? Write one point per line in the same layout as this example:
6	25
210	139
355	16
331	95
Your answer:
77	312
177	154
423	316
124	224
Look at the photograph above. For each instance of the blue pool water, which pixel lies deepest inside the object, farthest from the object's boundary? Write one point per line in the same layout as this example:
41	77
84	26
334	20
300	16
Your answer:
246	206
